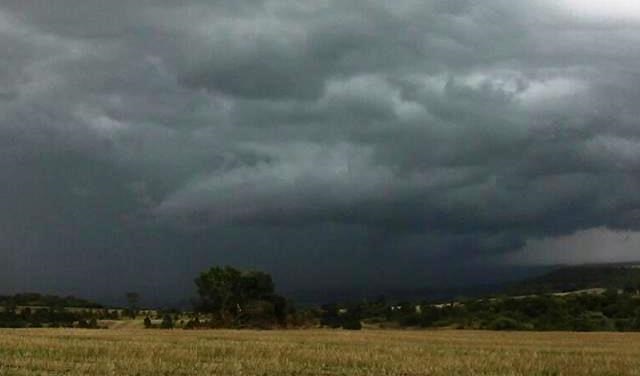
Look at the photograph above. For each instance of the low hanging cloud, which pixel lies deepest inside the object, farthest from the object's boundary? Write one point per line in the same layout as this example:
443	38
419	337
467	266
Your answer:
411	135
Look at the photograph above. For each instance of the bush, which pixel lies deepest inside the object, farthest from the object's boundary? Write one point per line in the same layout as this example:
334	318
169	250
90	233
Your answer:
352	325
593	321
504	323
412	319
167	322
193	324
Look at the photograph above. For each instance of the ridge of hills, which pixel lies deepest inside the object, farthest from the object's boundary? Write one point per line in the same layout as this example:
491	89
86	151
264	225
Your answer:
566	278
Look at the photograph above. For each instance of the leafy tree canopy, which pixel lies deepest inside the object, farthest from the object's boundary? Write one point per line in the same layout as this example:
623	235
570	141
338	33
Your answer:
227	291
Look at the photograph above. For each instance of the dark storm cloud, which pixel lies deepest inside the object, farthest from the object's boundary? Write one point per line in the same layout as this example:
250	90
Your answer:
344	137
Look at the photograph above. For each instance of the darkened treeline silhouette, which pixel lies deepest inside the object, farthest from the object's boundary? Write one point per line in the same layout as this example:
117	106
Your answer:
613	310
233	298
39	300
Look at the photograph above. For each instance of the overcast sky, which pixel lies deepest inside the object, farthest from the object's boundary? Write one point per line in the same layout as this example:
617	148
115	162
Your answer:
331	143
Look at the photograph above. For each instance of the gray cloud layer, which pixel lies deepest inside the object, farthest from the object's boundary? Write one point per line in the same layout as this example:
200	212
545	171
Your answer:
339	139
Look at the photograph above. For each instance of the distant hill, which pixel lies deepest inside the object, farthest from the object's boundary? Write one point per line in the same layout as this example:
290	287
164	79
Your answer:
305	298
39	300
470	284
581	277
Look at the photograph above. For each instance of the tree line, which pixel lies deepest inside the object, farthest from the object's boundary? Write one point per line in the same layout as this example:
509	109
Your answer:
39	300
231	298
614	310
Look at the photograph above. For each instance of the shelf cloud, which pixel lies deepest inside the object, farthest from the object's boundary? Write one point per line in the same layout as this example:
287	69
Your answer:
324	141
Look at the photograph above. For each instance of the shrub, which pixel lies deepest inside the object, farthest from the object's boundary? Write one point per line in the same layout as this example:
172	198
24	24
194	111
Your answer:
352	324
593	321
167	322
193	324
504	323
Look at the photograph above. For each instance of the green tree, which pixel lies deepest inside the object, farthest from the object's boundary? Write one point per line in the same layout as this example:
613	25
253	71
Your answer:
219	291
230	293
133	300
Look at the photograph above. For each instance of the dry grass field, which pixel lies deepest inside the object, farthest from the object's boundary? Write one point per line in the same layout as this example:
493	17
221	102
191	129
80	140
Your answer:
315	352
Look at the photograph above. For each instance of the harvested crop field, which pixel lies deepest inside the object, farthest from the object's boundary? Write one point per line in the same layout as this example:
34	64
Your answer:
315	352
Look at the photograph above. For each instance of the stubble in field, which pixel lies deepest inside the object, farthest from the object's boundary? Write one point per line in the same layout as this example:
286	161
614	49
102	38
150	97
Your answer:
315	352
